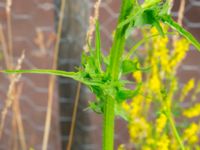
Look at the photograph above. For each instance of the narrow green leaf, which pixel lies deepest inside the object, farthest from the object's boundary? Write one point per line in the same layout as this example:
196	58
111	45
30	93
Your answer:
150	3
96	107
139	43
43	71
159	28
98	46
168	20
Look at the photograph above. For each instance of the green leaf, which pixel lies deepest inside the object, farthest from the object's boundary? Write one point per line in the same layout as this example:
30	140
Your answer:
98	47
150	3
147	17
124	93
44	71
165	8
119	111
159	28
96	107
168	20
131	18
129	66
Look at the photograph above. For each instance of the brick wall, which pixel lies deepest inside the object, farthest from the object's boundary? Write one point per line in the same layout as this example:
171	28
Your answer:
29	19
33	19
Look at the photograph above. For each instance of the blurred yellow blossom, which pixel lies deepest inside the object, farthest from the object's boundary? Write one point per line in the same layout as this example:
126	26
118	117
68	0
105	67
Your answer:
186	89
163	143
161	122
126	106
148	132
192	111
137	76
191	133
154	83
138	129
181	46
121	147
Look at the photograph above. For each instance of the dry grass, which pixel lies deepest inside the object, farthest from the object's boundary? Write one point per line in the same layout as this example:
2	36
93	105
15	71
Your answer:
11	93
18	118
52	79
92	22
181	12
14	90
89	36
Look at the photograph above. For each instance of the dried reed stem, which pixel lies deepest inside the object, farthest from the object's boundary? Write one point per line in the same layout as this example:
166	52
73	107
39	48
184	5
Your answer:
74	117
52	79
180	18
18	118
14	91
9	28
14	143
89	37
92	22
181	12
4	47
11	92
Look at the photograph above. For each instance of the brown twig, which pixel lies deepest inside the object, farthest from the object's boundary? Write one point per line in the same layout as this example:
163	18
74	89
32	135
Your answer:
88	39
18	118
180	17
10	95
74	117
9	26
4	47
53	78
92	22
181	12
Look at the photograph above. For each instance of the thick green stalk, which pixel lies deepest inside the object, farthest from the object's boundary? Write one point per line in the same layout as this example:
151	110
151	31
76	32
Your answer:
113	74
117	48
108	124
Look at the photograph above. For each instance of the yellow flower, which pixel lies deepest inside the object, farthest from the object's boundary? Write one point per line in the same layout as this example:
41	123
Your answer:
181	46
191	134
154	83
163	143
126	106
186	89
146	148
196	91
137	76
160	123
121	147
138	129
136	106
193	111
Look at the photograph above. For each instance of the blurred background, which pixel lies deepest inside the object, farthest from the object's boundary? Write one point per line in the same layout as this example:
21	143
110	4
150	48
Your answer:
30	26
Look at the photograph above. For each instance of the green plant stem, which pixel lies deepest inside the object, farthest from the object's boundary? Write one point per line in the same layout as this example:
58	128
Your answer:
113	72
108	124
174	130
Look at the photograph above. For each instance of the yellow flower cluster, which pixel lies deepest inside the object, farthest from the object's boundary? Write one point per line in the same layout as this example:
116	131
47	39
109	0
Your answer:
147	129
138	129
191	134
192	111
160	123
187	88
163	143
137	76
181	46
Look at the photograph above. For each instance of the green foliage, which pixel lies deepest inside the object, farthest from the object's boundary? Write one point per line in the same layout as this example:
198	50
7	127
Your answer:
108	86
106	82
